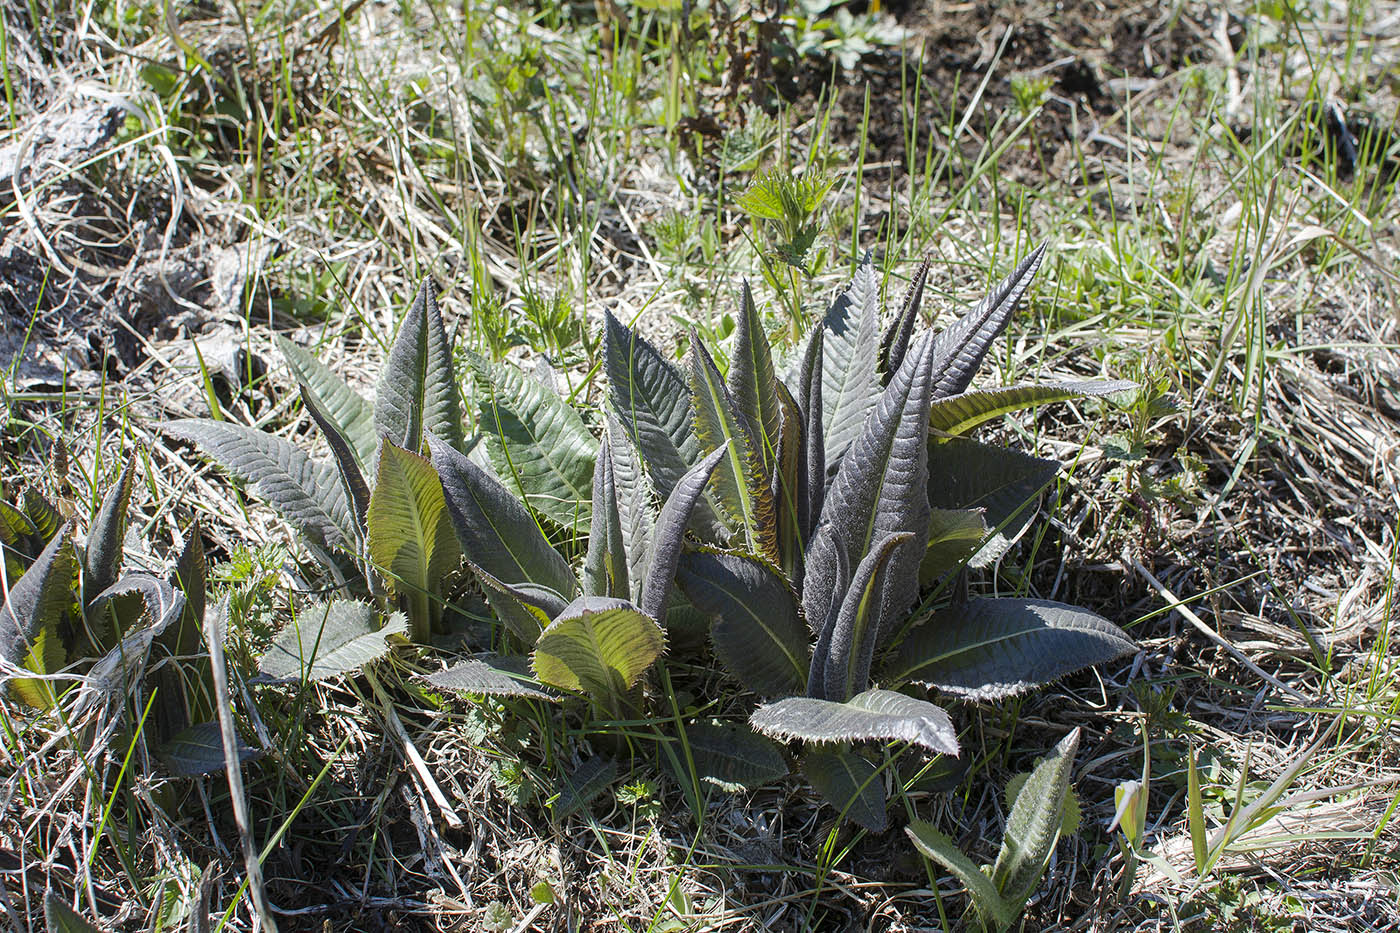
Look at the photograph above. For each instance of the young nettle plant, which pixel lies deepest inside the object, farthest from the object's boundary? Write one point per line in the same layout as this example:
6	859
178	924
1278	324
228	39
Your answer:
75	613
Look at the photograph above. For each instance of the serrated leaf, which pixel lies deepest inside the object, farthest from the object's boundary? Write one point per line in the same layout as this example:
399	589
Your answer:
741	482
812	483
993	648
850	352
538	444
598	646
880	489
958	414
102	557
410	537
901	330
582	786
199	749
307	494
417	390
636	505
851	646
669	535
41	512
943	850
873	715
732	757
329	640
849	783
162	602
960	348
605	563
525	608
61	918
758	632
350	412
31	615
496	675
752	382
352	479
1034	826
191	577
494	529
1004	483
954	535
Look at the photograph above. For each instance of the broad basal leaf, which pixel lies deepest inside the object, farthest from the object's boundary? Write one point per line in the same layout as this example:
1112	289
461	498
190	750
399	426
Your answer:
417	390
29	621
960	348
351	413
410	535
102	558
850	353
495	531
849	783
538	444
598	646
199	749
898	335
329	640
758	632
1034	825
307	494
953	537
881	489
732	757
992	648
873	715
492	675
846	666
669	535
605	565
741	480
752	382
958	414
347	462
1004	483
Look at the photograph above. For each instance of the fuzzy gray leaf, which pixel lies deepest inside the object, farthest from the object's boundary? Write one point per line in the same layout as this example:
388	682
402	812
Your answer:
901	330
670	534
605	564
1034	825
494	675
752	381
1004	483
60	918
199	749
732	757
872	715
329	640
849	783
350	412
850	353
102	557
417	391
993	648
352	478
852	642
163	602
636	505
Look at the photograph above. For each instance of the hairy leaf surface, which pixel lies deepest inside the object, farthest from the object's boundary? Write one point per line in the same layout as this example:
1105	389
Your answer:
60	918
958	414
1004	483
347	464
943	850
732	757
598	646
539	445
993	648
670	535
605	564
29	621
849	783
199	749
417	391
753	382
636	506
102	558
953	537
495	531
960	348
901	330
758	632
874	714
525	608
1034	825
350	412
850	352
493	675
852	642
307	494
329	640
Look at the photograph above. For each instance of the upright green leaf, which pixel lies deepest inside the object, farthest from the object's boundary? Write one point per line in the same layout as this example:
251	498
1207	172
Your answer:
307	494
636	508
102	558
605	564
732	757
943	850
953	537
742	480
538	444
880	489
598	646
960	348
344	406
29	621
410	535
958	414
874	714
849	783
417	390
494	675
992	648
1034	826
329	640
191	575
347	463
495	531
852	643
670	534
752	381
901	330
650	398
1004	483
850	354
758	632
